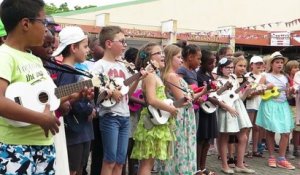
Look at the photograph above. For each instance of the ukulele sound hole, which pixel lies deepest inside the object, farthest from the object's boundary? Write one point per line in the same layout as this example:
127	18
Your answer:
43	97
272	91
141	96
18	100
231	96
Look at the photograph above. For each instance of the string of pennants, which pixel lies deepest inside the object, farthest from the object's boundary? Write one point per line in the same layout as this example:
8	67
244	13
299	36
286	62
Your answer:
243	36
226	32
287	24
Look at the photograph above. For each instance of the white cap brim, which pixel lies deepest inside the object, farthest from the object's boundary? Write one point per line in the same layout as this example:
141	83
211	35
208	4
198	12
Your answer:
62	46
59	49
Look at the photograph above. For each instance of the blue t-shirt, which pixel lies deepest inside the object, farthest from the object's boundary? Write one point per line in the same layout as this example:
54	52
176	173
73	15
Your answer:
78	128
190	76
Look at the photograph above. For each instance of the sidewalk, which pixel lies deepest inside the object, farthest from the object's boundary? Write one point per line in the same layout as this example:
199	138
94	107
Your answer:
258	164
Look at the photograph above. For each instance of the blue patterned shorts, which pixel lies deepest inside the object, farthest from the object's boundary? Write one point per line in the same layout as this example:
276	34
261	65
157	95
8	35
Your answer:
26	159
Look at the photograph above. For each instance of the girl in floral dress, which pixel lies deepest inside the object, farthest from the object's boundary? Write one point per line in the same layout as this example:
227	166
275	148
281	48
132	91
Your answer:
184	160
152	141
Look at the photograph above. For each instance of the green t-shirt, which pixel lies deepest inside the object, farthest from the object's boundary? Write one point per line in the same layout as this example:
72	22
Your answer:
18	66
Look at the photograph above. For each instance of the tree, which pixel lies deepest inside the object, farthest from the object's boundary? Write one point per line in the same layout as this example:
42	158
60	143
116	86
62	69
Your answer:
85	7
64	7
51	8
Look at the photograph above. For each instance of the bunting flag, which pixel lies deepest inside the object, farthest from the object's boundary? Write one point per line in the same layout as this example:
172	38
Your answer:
287	24
244	36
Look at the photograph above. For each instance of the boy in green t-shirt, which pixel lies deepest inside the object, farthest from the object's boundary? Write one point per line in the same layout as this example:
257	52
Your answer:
28	149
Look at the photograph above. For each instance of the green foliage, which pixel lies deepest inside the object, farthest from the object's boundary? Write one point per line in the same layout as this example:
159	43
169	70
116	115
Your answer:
52	8
84	7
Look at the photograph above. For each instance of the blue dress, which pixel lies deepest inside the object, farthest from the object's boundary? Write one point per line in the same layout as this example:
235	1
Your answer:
275	114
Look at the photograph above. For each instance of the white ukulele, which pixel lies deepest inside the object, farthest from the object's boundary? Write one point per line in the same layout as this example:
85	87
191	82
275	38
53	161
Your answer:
35	97
233	95
213	99
122	85
160	117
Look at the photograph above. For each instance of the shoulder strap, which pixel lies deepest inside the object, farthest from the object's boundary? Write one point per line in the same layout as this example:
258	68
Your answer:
66	69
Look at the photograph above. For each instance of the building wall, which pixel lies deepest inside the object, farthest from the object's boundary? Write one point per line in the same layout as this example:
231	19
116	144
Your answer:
195	15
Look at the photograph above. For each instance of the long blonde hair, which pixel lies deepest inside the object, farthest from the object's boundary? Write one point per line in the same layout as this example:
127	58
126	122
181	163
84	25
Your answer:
170	52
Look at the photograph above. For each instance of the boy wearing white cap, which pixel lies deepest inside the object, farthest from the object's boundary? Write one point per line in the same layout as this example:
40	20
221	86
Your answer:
73	46
253	101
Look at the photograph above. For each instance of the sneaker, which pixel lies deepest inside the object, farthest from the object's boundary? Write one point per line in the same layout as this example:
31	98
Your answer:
261	147
272	162
285	164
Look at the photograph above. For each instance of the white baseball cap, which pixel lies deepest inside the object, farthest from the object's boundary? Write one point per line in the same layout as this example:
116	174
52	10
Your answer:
256	59
69	35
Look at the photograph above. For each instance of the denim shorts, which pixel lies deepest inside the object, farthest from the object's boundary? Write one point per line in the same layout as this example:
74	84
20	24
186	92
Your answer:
26	159
115	134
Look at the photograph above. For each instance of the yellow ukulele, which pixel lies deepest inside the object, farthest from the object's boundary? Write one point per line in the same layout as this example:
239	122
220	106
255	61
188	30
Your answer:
270	93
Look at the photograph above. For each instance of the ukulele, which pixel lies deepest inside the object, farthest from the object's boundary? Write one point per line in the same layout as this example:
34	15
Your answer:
270	93
135	106
122	85
35	97
213	99
160	117
233	95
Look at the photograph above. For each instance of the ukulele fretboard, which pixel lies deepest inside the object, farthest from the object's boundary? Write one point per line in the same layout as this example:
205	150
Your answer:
69	89
131	79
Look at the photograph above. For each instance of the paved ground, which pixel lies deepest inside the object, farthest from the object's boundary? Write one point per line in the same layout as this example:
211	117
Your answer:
258	164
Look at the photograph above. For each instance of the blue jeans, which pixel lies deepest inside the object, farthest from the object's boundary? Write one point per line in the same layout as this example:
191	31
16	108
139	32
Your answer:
115	135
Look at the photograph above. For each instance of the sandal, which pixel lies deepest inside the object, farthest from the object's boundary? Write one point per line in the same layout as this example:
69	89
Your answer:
257	154
249	155
207	172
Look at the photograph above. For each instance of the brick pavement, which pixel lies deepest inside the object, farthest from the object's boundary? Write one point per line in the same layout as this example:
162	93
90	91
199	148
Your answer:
258	164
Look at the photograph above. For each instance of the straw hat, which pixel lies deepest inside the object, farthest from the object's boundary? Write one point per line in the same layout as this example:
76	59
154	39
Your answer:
277	55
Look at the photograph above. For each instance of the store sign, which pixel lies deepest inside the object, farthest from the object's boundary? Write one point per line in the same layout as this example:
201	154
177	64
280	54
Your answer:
280	39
